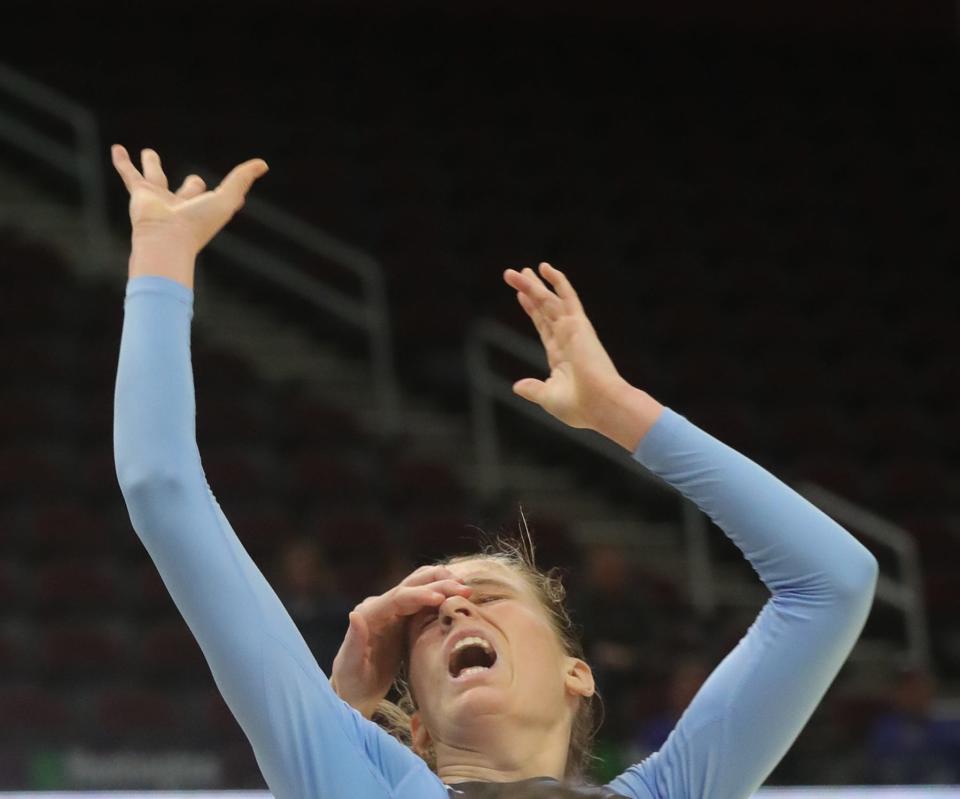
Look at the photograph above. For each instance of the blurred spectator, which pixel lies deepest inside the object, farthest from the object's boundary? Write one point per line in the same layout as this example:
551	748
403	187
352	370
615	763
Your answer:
617	625
398	565
309	589
907	744
683	683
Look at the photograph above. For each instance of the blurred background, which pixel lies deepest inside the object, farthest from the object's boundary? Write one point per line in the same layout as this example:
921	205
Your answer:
754	202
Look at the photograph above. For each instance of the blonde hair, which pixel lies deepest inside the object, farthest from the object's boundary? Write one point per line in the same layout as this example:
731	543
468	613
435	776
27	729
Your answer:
548	587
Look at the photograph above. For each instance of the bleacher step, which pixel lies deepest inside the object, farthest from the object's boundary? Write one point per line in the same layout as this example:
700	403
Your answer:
278	351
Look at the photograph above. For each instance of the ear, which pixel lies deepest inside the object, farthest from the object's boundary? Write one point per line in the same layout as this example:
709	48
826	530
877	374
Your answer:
418	731
579	677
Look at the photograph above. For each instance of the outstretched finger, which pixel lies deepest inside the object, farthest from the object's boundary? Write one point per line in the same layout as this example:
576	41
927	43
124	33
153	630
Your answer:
124	166
410	599
547	302
192	186
427	574
562	286
152	170
528	284
239	180
540	322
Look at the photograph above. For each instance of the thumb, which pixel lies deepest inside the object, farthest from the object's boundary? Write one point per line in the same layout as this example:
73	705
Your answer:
358	628
530	389
239	180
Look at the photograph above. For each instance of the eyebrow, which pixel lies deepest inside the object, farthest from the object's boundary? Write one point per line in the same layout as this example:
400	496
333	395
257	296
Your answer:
491	581
472	581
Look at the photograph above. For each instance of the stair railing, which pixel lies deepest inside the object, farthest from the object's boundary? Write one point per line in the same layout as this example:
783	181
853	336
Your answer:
489	389
79	159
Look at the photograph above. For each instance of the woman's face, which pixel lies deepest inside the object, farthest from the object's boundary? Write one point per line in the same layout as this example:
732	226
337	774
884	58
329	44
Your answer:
532	681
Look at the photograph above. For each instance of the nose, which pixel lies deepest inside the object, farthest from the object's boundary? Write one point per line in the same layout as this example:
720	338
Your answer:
453	606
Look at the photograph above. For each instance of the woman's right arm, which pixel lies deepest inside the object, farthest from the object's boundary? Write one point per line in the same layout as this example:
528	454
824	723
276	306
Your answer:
307	741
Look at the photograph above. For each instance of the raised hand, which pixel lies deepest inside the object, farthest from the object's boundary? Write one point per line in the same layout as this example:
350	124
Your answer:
369	657
584	388
178	224
582	376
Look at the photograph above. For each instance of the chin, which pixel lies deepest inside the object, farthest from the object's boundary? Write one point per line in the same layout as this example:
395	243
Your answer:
477	700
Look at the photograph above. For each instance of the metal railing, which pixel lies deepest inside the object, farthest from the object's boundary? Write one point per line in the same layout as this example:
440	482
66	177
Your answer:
83	160
905	595
370	313
80	159
488	389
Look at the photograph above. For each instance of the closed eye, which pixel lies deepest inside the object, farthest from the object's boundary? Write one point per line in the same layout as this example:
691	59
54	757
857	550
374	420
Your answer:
483	600
488	598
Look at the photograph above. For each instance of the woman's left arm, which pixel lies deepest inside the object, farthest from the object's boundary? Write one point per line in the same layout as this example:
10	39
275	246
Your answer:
753	706
749	711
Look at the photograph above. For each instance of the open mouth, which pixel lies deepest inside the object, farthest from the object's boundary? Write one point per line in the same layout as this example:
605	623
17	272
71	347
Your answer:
472	655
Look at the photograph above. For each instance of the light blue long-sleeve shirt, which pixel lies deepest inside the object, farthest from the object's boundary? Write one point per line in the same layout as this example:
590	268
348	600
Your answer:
311	745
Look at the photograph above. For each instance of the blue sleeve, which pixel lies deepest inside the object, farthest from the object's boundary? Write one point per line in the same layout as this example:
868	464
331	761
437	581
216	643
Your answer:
307	741
749	711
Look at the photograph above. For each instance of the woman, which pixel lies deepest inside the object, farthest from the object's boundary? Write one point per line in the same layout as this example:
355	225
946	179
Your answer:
512	729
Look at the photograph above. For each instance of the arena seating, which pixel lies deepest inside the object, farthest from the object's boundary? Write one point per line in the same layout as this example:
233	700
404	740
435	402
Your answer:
733	268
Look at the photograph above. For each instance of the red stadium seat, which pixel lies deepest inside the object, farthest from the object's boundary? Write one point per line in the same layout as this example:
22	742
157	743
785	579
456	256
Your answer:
124	712
83	647
883	429
794	430
11	584
838	474
17	650
96	479
39	359
168	649
304	420
438	535
233	471
78	584
218	371
701	377
220	719
940	593
264	526
861	379
910	483
351	533
36	710
68	528
796	377
11	532
424	484
938	543
320	477
554	544
731	422
148	593
349	539
223	417
29	416
29	473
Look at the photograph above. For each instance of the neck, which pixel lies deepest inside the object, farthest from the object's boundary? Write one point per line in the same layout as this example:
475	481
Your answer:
490	751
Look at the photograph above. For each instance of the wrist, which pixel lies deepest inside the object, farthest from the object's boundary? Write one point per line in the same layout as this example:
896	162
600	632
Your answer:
365	708
627	414
162	255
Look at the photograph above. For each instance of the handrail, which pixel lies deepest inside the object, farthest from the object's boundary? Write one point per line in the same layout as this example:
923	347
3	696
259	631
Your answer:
80	160
906	595
488	388
371	314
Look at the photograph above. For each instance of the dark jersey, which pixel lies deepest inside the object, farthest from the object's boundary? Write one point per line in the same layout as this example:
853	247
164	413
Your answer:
534	788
